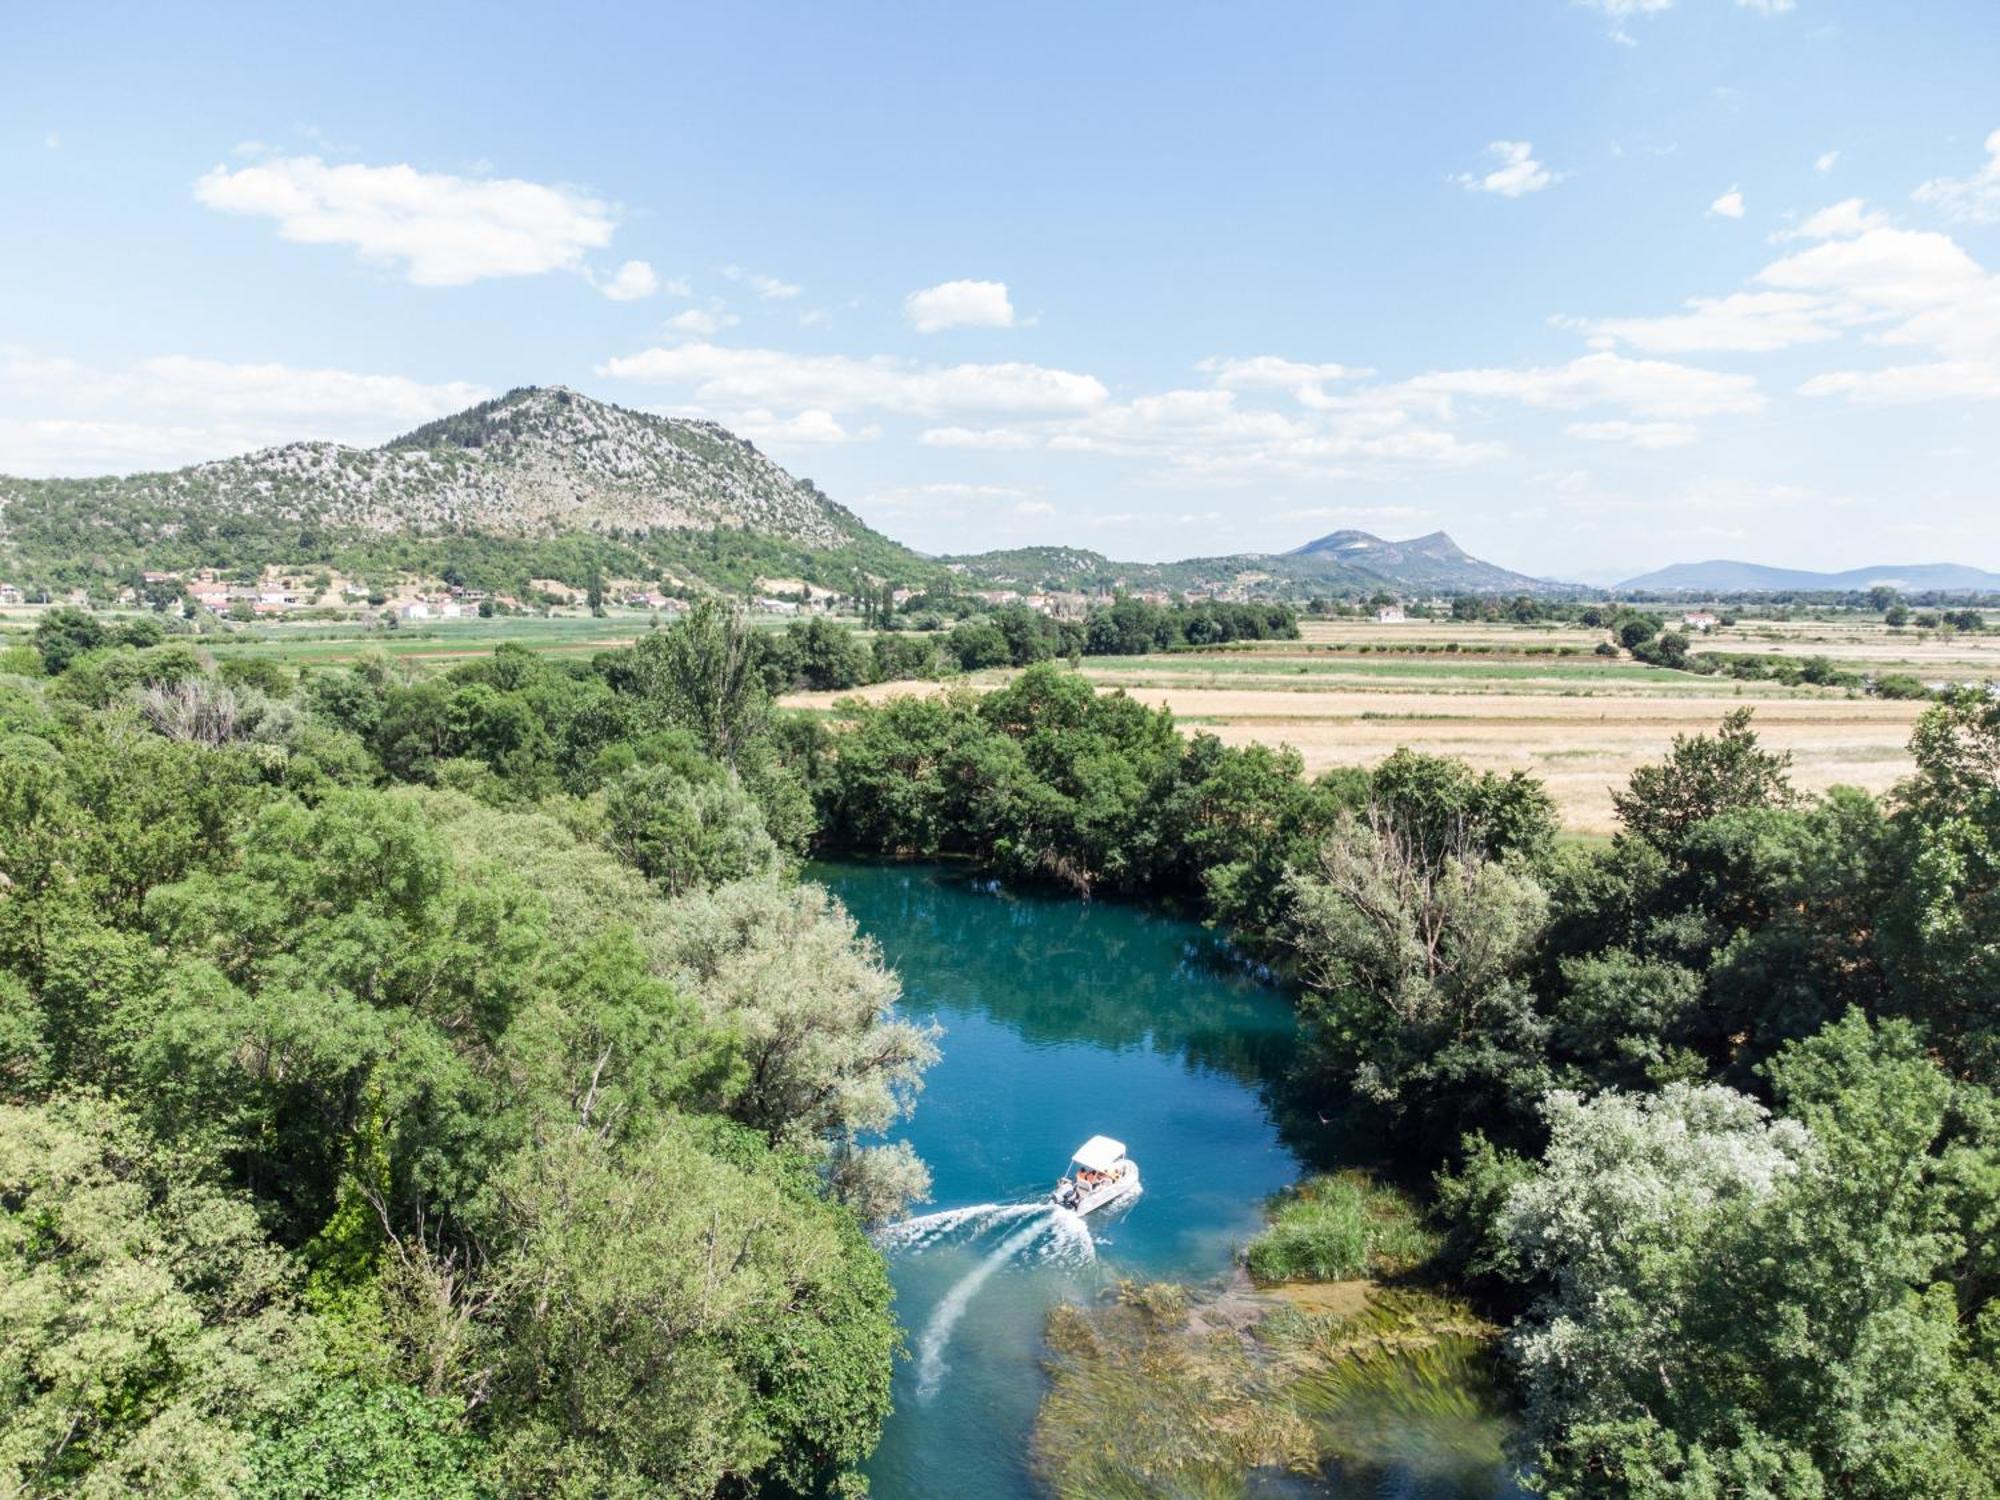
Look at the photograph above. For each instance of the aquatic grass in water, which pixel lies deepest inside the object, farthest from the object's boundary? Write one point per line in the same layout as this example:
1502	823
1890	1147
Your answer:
1410	1382
1164	1396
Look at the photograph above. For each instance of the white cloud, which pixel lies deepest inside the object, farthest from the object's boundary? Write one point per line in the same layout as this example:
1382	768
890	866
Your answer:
1034	508
1729	205
1620	9
1974	199
735	379
702	320
1644	387
1769	7
810	426
677	286
439	229
1743	322
1825	162
1837	220
974	437
1648	435
1353	513
1205	437
66	417
1273	372
959	304
1945	380
1921	286
1517	172
768	287
633	280
1896	288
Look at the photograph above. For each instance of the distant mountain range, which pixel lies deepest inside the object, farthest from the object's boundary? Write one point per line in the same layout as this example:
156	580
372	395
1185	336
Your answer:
1341	562
1727	577
546	483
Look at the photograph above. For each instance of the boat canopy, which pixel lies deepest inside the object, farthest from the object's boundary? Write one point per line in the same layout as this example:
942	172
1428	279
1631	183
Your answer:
1099	1154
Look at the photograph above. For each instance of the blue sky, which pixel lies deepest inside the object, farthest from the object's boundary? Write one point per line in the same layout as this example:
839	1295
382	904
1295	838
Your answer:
1593	286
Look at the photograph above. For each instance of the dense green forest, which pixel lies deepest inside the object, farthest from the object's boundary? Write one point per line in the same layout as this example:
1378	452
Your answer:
443	1085
431	1089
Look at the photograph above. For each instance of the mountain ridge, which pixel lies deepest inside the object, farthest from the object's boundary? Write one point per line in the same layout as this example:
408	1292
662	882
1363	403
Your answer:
1727	575
1345	560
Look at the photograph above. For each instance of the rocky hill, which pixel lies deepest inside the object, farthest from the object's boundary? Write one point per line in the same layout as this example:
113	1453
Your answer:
535	465
1342	562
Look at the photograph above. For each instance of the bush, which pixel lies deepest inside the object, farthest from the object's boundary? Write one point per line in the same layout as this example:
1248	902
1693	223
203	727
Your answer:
1338	1228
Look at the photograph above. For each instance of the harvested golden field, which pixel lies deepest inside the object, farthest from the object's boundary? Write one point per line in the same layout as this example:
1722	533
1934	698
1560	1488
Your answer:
1582	739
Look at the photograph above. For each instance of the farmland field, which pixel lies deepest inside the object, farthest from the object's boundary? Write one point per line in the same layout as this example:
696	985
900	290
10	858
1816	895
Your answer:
1580	723
1502	697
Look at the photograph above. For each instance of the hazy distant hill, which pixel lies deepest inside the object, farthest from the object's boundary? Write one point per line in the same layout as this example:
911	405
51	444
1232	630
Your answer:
1344	561
1722	576
535	465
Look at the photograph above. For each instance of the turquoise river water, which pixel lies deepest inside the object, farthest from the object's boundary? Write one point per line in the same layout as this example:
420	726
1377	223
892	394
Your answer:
1062	1020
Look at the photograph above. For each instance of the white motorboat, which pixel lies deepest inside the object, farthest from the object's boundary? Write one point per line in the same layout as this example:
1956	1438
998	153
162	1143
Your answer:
1099	1173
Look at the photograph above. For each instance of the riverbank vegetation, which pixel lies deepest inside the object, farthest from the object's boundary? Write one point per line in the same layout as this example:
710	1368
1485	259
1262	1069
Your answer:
446	1076
1738	1062
431	1088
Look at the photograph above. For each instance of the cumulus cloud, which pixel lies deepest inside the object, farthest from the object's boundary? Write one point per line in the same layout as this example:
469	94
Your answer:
67	417
1649	435
1825	162
770	288
1849	216
959	304
1974	199
810	426
1269	372
704	321
1729	205
974	437
1644	387
730	379
631	281
1861	275
440	230
1944	380
1206	437
1515	173
1743	322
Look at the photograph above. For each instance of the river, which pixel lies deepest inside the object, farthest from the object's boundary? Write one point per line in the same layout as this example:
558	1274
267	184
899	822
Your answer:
1061	1020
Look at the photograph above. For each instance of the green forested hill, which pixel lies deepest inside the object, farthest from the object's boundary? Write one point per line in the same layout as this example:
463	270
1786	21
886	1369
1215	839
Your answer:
541	482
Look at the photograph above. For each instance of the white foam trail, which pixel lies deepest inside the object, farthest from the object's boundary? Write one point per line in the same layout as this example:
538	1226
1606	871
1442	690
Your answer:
1070	1242
931	1368
914	1234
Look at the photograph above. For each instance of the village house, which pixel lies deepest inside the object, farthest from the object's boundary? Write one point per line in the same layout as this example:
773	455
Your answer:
1390	614
1700	620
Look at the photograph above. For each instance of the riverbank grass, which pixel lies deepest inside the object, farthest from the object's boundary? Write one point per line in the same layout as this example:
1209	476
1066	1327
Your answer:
1338	1228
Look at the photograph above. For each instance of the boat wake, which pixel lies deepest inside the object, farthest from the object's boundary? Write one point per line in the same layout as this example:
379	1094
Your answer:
1038	1232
